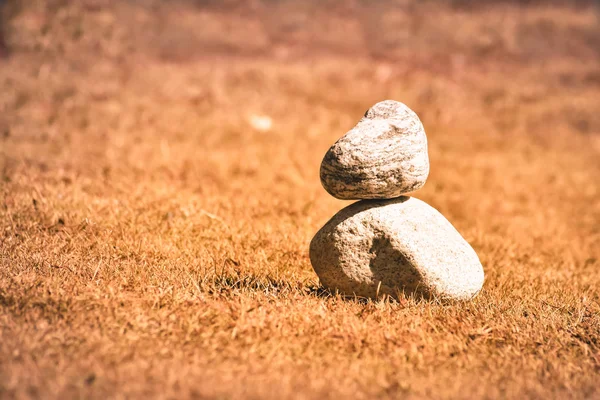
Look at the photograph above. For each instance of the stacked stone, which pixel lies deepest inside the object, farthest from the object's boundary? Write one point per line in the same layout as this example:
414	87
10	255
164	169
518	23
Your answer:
388	243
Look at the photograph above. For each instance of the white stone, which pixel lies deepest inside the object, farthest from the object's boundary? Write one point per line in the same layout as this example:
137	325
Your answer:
377	247
382	157
262	123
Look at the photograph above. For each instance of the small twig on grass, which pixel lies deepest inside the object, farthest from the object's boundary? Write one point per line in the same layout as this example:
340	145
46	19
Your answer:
378	287
215	217
97	268
194	282
563	309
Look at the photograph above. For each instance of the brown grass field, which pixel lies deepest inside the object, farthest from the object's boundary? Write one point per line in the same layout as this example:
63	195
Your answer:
154	242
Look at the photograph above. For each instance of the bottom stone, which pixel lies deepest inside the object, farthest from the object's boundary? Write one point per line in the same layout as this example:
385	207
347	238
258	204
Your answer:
376	247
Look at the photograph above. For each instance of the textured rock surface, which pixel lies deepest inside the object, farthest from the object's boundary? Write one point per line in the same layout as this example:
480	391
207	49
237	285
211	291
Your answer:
382	157
388	246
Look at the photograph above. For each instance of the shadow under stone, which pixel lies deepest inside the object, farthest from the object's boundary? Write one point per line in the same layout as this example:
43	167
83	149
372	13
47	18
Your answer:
393	271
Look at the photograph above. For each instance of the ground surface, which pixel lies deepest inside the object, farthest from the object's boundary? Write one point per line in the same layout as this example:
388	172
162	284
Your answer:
154	239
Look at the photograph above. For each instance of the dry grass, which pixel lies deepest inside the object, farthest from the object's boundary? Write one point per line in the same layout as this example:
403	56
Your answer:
154	244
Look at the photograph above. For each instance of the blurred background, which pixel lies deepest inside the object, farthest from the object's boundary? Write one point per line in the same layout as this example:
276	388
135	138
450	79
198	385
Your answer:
442	57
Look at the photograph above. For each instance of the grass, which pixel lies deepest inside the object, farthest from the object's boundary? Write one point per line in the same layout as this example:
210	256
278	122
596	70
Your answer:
153	243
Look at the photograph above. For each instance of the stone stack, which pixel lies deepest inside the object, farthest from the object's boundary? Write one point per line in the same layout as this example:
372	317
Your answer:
388	243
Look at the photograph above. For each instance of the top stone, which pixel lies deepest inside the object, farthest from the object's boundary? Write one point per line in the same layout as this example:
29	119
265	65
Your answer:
382	157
